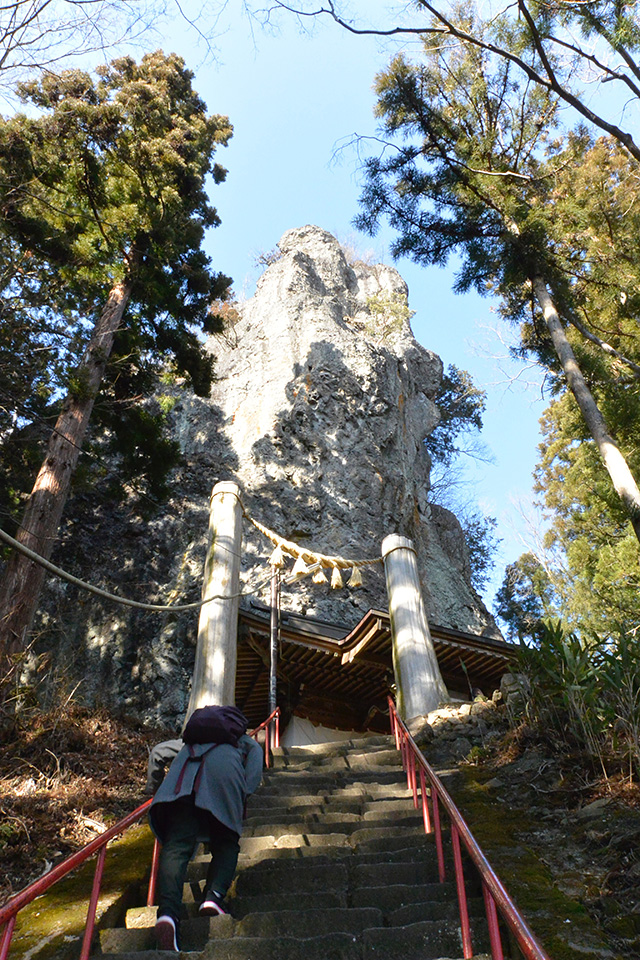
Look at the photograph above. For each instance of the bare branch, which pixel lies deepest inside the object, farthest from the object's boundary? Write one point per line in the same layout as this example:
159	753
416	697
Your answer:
606	347
445	26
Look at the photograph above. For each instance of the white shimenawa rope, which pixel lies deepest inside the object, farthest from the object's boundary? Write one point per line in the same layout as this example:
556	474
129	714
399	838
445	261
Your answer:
157	607
308	561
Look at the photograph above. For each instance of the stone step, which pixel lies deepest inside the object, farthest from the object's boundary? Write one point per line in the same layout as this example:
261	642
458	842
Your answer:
337	748
337	770
194	933
398	896
271	806
361	871
348	762
419	941
402	854
331	822
429	940
335	898
299	875
334	789
306	924
261	846
363	840
332	946
362	807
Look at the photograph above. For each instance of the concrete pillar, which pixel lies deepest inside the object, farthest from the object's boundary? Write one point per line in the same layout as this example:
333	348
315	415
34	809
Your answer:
214	671
418	680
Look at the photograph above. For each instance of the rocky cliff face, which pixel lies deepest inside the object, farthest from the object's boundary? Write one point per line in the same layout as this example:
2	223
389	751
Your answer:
322	402
326	399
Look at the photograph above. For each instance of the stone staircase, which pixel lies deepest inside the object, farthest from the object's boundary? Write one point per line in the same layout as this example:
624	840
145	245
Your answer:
334	865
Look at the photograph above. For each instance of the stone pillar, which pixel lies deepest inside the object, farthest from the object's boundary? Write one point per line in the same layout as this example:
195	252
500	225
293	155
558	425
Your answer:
214	671
418	680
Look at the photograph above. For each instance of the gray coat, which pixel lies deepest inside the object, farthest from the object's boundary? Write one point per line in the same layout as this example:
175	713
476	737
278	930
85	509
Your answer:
221	777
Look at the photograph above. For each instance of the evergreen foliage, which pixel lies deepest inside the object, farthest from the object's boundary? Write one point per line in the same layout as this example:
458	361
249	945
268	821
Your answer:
461	405
105	178
474	162
103	187
524	599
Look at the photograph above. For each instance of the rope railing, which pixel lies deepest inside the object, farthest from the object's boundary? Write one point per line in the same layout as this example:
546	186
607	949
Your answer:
307	562
124	601
496	899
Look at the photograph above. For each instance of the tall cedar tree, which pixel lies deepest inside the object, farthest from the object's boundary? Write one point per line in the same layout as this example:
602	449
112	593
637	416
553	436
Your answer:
104	189
590	550
469	166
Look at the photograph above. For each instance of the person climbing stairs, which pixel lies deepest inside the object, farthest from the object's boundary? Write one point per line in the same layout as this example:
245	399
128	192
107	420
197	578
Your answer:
334	865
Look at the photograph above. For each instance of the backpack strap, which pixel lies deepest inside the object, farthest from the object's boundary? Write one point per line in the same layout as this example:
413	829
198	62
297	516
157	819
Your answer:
193	758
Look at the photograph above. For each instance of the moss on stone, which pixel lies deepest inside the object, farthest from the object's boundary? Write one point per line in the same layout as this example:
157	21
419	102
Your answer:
561	923
53	924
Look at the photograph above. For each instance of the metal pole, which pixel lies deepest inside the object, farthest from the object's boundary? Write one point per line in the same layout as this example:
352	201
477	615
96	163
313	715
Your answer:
273	665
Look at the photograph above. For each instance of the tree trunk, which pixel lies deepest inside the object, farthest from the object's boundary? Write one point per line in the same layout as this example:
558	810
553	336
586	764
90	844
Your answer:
621	476
22	580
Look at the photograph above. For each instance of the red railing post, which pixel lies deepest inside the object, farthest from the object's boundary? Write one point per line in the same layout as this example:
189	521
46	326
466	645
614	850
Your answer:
273	720
438	830
414	780
7	933
498	902
462	894
394	723
153	877
492	921
425	802
93	904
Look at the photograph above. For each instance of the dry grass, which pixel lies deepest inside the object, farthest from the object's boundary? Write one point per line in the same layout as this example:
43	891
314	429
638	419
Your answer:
64	777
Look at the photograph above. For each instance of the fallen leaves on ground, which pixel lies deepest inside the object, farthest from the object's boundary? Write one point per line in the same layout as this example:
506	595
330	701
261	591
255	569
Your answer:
65	777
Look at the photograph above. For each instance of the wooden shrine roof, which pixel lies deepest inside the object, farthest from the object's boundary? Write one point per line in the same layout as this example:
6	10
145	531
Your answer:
341	678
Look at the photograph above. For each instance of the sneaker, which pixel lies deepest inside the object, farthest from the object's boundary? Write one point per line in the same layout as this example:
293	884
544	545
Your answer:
166	934
213	905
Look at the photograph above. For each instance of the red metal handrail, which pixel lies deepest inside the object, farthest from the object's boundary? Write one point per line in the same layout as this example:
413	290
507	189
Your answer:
272	721
10	910
496	897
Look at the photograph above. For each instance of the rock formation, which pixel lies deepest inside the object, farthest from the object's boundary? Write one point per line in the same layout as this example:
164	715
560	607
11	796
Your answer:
326	399
322	401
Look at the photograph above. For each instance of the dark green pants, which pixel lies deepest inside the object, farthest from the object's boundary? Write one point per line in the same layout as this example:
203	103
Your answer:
181	824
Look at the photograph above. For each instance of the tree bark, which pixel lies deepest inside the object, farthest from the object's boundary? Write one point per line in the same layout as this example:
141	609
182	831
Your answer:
22	581
617	467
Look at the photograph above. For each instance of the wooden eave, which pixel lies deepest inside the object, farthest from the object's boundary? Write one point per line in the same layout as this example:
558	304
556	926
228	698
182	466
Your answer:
341	678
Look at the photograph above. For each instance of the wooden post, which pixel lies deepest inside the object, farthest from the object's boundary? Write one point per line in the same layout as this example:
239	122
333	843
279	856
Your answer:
214	671
273	648
418	680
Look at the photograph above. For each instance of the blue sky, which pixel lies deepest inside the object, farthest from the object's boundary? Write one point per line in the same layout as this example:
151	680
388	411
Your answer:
295	99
